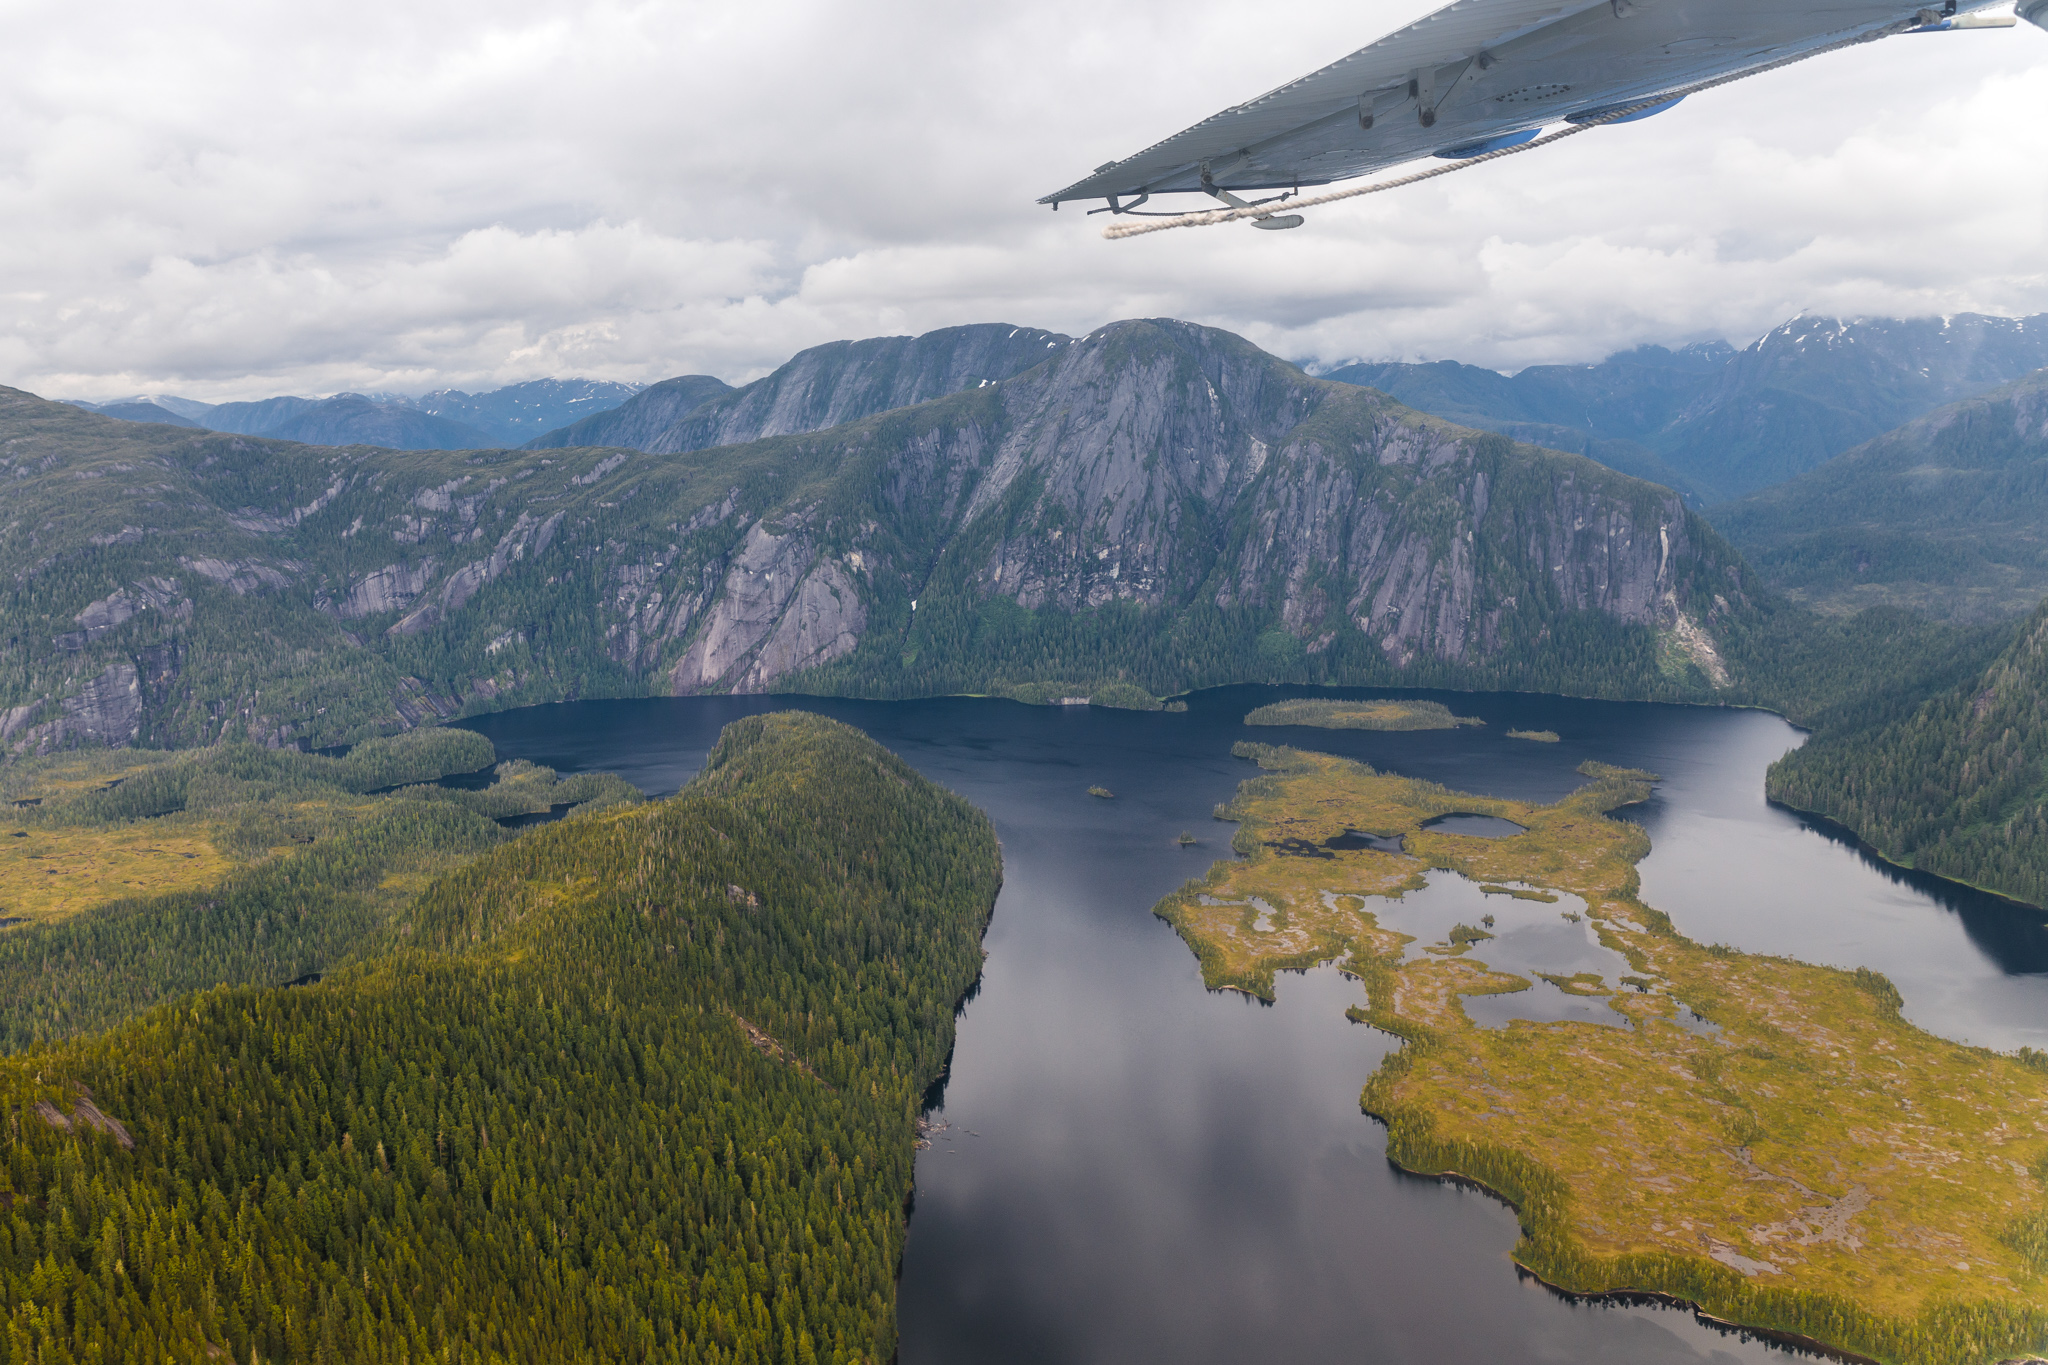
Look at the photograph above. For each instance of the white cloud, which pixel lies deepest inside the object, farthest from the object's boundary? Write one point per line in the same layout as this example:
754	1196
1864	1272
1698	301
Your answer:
236	199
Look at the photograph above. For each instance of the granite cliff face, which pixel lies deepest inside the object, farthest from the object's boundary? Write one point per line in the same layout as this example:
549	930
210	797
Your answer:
1175	470
825	386
1156	504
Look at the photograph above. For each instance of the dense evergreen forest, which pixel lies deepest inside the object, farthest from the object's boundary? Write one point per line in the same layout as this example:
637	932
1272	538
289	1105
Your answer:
323	857
635	1086
1956	785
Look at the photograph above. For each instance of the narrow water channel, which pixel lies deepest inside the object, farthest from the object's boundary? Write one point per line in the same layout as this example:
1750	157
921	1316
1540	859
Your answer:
1130	1169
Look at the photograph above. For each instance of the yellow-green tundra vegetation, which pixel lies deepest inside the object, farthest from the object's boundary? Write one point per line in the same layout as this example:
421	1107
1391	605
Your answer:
82	830
1815	1166
1372	713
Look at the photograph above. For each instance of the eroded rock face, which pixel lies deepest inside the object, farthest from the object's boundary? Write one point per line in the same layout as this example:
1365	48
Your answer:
106	711
389	589
527	535
1167	466
822	622
120	607
780	609
240	577
1156	460
844	381
1175	472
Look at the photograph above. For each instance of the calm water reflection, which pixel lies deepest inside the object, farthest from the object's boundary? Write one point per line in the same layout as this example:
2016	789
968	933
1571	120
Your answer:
1137	1170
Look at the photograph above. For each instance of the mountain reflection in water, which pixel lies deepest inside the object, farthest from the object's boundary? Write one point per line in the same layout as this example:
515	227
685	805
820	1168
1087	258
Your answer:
1135	1170
2013	935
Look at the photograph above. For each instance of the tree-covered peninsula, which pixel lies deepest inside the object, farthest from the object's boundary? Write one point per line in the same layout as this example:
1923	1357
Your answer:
634	1086
1956	786
1765	1139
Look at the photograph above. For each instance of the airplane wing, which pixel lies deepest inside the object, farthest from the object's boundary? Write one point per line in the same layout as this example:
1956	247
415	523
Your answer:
1479	73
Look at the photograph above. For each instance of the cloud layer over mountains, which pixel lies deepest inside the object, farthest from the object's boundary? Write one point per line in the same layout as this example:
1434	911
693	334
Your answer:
232	200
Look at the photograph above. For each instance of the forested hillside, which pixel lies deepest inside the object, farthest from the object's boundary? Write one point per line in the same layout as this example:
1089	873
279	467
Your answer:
1948	515
639	1087
1958	786
1158	506
1720	423
143	876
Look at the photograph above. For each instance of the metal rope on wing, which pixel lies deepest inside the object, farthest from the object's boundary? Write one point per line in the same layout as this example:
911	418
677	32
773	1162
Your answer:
1212	217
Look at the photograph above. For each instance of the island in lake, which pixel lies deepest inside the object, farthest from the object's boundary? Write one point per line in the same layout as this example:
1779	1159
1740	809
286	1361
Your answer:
1765	1139
1376	713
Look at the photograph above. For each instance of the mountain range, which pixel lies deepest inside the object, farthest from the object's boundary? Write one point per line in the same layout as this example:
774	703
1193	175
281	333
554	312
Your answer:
1720	424
1151	508
446	419
1155	506
1948	515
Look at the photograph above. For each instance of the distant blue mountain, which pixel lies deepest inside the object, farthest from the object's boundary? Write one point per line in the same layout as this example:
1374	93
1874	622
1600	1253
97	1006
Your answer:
139	411
445	420
517	413
1718	423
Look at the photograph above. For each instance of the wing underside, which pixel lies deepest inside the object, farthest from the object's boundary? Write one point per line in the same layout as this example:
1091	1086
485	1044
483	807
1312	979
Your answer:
1476	70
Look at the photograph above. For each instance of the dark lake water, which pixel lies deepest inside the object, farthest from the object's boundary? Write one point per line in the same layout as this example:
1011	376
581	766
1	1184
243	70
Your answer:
1135	1170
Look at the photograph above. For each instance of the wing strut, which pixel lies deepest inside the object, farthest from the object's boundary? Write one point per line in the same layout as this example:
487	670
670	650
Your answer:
1619	114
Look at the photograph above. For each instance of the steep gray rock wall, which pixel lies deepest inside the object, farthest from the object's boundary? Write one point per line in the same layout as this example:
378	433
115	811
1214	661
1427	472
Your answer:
1169	467
825	386
107	711
844	381
1156	502
1161	454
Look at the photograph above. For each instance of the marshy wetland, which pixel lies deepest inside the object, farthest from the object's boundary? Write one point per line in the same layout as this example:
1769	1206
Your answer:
1812	1165
1371	713
1136	1169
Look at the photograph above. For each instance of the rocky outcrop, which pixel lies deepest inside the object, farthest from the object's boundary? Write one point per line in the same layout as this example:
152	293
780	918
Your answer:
1162	464
527	535
844	381
240	576
106	711
822	622
781	608
389	589
121	606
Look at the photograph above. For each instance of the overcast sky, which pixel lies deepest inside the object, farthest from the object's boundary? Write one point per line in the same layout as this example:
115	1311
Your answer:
232	200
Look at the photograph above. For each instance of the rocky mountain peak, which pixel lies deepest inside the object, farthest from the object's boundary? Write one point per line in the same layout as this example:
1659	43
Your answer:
825	386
